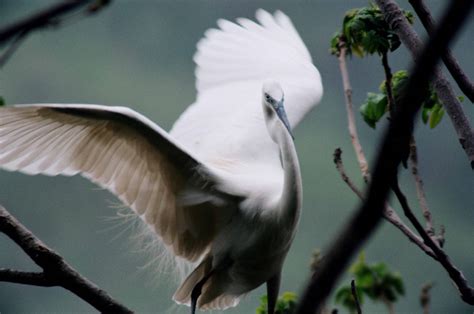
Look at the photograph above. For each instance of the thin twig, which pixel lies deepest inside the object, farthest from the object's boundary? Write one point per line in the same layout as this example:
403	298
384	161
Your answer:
399	24
12	48
463	81
420	191
467	292
425	297
363	165
389	213
56	272
356	298
364	221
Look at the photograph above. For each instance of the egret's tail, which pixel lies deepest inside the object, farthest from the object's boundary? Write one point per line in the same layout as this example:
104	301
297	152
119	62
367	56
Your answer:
213	294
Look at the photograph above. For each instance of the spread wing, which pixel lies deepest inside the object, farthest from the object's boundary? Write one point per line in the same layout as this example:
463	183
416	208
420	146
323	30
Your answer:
232	62
124	152
247	51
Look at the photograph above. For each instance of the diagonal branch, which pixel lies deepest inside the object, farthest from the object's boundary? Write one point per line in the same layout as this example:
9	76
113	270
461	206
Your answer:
467	292
56	272
399	24
463	81
16	32
420	191
395	141
363	165
389	213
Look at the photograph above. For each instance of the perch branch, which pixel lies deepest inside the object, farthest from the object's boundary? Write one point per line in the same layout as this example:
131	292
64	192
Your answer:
398	23
395	141
463	81
467	292
56	272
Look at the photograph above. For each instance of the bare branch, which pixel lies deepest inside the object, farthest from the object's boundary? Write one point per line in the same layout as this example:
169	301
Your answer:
356	298
463	81
420	191
425	297
26	278
467	292
396	140
363	165
17	32
56	272
398	23
389	213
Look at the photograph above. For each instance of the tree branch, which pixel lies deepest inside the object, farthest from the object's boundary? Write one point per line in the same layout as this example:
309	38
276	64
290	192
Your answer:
419	188
17	31
364	221
467	293
398	23
389	213
463	81
356	298
26	278
56	272
363	165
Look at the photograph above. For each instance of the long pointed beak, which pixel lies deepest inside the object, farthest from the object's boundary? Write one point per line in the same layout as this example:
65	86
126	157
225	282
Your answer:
280	110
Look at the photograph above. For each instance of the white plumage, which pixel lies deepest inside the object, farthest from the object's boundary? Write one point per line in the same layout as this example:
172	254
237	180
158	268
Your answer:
217	189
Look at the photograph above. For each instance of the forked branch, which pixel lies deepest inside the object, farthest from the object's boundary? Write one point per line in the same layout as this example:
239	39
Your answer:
56	272
399	24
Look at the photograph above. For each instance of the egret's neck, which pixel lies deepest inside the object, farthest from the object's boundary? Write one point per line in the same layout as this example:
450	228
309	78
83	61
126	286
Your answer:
291	198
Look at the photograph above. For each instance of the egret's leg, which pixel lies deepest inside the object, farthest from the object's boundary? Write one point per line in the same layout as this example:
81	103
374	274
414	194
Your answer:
197	291
273	286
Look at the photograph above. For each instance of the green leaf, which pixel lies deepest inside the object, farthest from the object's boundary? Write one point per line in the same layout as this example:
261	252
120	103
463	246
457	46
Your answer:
366	31
437	113
374	108
2	101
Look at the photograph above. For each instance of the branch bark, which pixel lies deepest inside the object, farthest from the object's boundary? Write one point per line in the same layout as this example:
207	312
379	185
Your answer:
19	30
398	23
389	213
56	272
466	292
363	165
463	81
361	225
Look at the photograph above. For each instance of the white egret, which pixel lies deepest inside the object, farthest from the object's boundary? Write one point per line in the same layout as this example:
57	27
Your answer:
223	188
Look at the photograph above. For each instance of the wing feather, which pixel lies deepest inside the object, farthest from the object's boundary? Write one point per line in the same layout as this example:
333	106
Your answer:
119	150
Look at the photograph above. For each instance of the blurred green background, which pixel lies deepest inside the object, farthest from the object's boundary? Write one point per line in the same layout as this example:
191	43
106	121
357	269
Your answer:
139	54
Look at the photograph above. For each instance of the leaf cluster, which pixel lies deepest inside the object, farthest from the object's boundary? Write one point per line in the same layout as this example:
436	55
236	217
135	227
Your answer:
375	281
376	104
2	101
365	32
286	304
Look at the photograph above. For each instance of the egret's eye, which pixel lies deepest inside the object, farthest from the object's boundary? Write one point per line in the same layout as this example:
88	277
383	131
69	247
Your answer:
267	97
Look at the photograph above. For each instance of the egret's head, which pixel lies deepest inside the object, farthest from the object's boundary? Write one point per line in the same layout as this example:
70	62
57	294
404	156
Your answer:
273	108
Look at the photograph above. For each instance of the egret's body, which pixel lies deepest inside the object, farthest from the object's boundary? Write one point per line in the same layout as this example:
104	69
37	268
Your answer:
223	189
